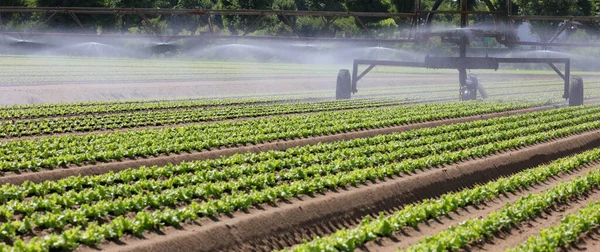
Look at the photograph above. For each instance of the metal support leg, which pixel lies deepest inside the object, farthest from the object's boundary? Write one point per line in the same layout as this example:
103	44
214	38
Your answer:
557	71
462	79
354	76
567	78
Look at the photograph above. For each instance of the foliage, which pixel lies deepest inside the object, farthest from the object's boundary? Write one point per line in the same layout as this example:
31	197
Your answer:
186	112
240	24
369	6
569	229
525	208
546	29
412	215
88	209
64	150
305	25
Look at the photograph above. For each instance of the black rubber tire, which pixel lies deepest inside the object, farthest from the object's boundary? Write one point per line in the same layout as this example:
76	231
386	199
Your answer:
473	87
464	94
343	88
576	91
469	91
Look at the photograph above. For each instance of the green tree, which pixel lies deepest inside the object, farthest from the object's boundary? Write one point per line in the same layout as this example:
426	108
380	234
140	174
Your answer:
243	23
403	6
289	22
11	20
546	29
309	26
191	23
63	21
13	3
369	6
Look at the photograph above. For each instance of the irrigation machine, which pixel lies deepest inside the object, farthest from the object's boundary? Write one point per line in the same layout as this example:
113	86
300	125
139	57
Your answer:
469	85
347	81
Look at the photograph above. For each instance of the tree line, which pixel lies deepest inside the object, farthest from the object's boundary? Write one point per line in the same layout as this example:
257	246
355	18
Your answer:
282	25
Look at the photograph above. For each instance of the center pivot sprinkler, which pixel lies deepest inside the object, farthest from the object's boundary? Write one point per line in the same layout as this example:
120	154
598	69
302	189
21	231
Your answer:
469	85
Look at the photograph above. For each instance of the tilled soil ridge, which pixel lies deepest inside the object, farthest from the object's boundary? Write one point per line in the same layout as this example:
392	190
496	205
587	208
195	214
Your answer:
589	241
175	124
521	232
287	224
409	236
100	168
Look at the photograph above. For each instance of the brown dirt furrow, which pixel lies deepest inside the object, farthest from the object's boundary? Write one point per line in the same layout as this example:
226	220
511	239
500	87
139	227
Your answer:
409	236
522	231
197	107
99	168
589	241
287	224
167	125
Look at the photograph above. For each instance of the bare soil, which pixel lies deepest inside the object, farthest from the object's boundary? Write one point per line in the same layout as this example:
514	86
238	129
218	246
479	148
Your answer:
167	125
521	232
71	92
409	236
589	241
99	168
288	223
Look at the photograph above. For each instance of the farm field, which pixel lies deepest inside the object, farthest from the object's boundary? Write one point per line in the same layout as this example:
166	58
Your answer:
399	167
28	80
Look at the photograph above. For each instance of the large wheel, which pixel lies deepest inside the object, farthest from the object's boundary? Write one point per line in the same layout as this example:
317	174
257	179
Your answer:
468	92
343	88
465	93
576	91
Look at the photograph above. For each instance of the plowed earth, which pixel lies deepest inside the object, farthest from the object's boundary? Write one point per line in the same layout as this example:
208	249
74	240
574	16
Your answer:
285	224
99	168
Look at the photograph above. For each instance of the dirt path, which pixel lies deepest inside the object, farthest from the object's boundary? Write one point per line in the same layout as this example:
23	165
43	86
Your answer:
521	232
286	224
409	236
589	241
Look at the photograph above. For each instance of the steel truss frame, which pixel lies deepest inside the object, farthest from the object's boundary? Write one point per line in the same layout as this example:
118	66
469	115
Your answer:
469	86
419	29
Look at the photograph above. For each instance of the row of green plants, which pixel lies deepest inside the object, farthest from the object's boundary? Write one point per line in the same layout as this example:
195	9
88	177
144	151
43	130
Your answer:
53	110
32	127
80	149
310	163
525	208
67	75
413	214
303	156
22	111
195	197
569	229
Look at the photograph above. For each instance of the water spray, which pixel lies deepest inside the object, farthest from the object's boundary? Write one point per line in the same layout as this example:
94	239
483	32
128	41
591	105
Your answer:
469	84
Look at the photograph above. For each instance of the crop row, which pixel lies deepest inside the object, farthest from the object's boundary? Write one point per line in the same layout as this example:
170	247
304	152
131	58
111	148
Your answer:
80	108
413	214
21	112
17	128
526	207
569	229
74	149
300	163
251	163
81	208
60	125
305	156
224	101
